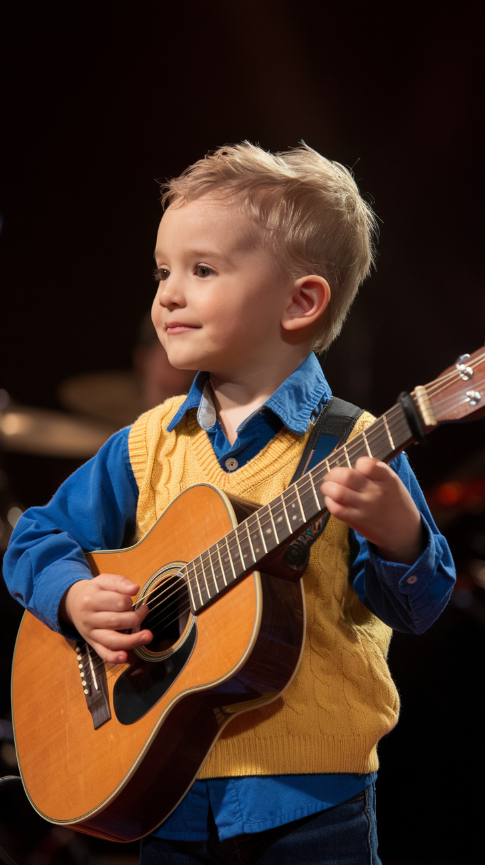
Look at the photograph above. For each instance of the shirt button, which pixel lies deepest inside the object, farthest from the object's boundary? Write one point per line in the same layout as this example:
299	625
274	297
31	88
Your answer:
412	579
231	464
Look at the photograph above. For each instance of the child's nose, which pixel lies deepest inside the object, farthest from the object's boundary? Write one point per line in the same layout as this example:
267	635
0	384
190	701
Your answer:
170	293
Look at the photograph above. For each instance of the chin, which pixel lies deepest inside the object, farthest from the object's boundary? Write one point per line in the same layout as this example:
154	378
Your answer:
184	363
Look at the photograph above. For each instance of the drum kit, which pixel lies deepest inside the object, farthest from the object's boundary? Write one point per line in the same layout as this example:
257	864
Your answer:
97	405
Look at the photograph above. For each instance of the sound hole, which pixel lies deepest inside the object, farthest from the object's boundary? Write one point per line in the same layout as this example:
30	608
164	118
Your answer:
169	610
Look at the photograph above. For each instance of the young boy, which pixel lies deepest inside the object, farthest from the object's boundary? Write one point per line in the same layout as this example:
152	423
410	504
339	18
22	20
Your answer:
258	259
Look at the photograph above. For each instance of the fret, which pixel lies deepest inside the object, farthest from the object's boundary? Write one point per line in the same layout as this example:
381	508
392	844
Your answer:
252	522
275	533
212	569
221	565
203	574
388	432
314	490
189	586
211	583
217	569
294	517
307	498
286	513
260	530
229	555
270	532
241	557
250	541
380	448
366	443
244	546
195	577
303	517
347	456
279	521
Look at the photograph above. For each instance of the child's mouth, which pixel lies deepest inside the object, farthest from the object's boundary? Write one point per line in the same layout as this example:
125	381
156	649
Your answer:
179	327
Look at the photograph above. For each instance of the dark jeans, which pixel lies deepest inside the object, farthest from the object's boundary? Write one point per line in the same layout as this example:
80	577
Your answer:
343	835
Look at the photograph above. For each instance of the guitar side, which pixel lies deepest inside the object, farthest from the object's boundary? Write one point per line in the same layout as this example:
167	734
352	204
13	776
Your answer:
121	780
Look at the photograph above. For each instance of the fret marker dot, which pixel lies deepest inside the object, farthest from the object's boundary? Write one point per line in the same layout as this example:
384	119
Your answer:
294	517
257	549
268	531
279	520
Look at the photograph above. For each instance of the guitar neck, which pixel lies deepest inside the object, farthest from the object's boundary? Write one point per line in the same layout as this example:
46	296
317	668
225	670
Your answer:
284	518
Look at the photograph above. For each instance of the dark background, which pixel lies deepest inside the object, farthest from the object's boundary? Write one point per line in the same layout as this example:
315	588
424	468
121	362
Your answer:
100	100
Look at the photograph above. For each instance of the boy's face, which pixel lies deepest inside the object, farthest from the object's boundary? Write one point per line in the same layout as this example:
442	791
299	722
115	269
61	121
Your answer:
220	298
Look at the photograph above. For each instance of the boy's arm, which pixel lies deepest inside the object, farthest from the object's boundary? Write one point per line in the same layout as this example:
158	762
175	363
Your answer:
407	595
94	509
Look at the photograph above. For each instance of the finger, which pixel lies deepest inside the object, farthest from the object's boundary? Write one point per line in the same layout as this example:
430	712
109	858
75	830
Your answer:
341	494
342	511
346	477
112	646
373	469
100	600
117	583
114	621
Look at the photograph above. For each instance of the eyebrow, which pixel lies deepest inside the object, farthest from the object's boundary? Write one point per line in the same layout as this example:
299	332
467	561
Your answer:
200	253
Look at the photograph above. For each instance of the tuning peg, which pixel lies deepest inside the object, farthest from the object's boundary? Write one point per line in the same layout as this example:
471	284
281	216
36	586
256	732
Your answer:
466	372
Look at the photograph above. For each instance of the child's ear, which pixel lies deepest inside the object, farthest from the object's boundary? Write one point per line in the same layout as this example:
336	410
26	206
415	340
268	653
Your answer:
307	301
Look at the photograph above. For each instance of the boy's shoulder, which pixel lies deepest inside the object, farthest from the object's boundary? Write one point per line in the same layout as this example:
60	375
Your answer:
150	427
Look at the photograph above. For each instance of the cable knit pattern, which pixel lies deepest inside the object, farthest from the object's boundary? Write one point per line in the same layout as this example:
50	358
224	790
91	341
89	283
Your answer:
342	699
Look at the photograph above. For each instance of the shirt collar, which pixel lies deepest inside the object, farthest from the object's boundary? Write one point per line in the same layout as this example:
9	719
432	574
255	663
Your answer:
294	402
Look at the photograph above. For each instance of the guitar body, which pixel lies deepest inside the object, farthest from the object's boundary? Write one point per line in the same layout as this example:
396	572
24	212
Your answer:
121	779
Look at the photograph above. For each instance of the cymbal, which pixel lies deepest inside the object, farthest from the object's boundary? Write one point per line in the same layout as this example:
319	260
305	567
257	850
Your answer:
51	433
114	395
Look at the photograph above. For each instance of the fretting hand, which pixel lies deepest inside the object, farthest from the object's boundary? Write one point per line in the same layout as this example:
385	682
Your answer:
373	500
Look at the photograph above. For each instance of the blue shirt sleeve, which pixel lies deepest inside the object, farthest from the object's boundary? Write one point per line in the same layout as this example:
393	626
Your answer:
408	599
94	509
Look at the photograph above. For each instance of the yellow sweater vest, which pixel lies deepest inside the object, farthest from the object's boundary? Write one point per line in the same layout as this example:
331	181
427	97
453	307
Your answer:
342	699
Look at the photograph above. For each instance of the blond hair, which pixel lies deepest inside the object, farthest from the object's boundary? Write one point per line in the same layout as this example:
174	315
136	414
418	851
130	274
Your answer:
308	209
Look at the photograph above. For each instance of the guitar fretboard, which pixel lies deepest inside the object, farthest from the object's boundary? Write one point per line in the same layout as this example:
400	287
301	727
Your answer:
284	518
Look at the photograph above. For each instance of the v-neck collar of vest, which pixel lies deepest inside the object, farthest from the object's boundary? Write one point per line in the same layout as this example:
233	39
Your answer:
283	448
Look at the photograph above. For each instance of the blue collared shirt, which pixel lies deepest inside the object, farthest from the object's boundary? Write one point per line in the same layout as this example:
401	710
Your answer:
96	509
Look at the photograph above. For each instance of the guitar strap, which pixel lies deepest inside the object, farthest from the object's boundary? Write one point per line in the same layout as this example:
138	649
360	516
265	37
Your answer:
332	429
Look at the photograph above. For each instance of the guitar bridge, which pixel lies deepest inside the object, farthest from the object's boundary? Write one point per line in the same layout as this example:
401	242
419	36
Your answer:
94	684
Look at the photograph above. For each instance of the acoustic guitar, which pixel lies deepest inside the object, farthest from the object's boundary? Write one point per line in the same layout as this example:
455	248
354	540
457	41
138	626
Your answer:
110	750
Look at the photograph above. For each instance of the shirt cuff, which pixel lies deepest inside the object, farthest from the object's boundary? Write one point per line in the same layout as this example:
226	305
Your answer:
409	579
423	588
62	576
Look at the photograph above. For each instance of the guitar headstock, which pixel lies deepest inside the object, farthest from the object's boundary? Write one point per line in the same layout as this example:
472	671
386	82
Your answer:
458	393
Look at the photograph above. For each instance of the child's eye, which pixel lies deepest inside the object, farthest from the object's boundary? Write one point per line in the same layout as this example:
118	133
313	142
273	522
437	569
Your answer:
202	270
160	274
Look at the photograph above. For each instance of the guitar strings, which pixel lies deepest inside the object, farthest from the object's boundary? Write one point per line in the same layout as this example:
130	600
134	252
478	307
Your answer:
373	436
435	387
432	389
